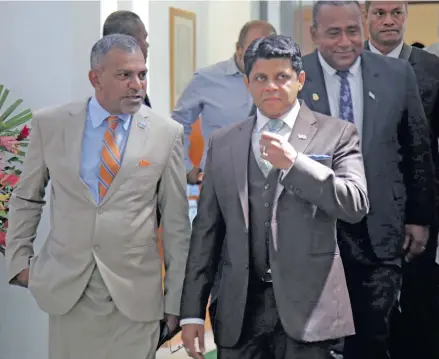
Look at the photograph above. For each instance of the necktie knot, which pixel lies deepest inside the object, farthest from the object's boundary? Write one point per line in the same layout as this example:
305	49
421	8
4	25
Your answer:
275	125
112	121
343	74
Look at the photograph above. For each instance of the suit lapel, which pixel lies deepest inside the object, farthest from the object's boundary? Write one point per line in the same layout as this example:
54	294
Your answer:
304	129
73	134
406	51
240	153
141	129
371	98
316	97
303	132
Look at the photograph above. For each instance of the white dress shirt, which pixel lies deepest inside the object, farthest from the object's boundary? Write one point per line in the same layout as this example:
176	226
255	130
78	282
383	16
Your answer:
261	121
332	82
394	53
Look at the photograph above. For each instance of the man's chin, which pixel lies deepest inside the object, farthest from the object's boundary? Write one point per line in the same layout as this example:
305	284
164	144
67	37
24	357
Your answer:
131	110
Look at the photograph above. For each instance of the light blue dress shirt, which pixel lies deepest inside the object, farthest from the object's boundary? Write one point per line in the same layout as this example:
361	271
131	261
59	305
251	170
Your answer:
217	94
93	138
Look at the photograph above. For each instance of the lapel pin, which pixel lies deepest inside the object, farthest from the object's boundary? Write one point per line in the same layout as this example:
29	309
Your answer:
315	97
371	95
141	124
301	136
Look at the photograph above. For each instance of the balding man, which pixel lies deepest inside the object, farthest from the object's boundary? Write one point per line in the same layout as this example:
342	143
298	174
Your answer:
128	23
218	94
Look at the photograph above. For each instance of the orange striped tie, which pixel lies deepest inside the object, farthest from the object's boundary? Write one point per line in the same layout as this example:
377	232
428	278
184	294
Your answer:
110	162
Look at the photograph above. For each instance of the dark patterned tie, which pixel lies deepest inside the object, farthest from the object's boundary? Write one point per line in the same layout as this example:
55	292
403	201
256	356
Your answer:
346	111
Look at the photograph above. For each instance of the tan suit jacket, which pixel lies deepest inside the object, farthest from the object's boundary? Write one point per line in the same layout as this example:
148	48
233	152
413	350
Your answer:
119	235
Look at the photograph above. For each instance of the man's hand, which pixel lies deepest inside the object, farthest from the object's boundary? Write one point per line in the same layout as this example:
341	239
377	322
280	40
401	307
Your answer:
277	150
172	321
195	176
190	332
416	238
23	278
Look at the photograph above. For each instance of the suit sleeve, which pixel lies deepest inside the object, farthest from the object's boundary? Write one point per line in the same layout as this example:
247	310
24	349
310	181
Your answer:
208	232
341	191
26	205
187	110
173	206
417	164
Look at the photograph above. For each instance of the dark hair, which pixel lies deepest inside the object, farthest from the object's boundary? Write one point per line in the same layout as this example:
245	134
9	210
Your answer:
317	6
252	25
367	4
418	44
273	47
121	22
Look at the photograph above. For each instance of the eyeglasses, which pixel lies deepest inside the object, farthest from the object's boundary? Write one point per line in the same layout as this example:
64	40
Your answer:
176	349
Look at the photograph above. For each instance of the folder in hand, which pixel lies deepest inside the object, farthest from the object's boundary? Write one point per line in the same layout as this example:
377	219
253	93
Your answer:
165	334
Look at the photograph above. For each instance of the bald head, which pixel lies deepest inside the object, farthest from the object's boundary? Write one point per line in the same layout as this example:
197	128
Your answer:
250	32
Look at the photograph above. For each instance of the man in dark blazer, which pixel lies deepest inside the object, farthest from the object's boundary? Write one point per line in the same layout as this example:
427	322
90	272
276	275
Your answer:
273	189
128	23
415	332
381	97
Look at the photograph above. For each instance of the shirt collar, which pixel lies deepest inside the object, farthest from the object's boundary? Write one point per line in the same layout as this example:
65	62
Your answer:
354	69
289	118
98	114
394	53
231	67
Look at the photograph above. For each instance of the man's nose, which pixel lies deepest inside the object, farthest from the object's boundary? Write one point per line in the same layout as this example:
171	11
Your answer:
388	20
344	40
137	83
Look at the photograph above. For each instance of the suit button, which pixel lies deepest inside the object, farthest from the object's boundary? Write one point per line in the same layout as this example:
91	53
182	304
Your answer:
96	247
267	224
246	267
267	186
109	298
100	210
266	205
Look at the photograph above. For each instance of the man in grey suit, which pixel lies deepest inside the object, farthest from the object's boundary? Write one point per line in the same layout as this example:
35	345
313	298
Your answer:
111	162
273	189
380	96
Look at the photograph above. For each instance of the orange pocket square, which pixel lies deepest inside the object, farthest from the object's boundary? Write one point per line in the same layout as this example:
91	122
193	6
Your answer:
144	163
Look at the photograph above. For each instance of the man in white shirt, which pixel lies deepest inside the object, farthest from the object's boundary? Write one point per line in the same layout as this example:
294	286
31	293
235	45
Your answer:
274	186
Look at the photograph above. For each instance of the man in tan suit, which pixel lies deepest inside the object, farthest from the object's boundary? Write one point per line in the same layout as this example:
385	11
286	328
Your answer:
111	162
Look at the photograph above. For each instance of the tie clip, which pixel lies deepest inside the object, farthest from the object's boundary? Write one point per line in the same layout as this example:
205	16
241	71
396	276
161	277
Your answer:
301	136
371	95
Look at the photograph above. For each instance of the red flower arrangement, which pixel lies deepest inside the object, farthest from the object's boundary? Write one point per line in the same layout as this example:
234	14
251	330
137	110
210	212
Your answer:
12	143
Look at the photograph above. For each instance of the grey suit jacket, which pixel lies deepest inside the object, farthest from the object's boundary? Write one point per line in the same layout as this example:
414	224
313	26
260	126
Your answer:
119	235
395	146
308	276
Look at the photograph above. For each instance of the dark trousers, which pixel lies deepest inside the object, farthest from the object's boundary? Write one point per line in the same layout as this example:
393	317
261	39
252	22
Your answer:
414	329
263	336
373	290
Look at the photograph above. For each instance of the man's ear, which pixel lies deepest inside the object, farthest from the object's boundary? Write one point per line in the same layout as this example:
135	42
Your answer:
246	81
301	78
95	79
313	32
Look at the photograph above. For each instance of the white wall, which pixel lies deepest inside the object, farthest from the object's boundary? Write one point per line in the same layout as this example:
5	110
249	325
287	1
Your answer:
44	59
